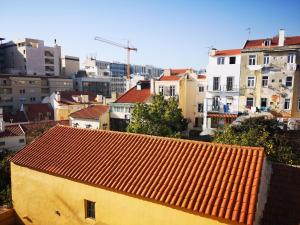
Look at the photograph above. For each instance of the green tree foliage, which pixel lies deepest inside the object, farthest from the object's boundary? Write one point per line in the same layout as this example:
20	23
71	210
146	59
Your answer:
259	132
160	118
5	195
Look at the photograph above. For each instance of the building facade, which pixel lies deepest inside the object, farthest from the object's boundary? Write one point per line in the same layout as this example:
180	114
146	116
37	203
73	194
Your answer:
95	68
270	76
96	85
222	91
16	90
31	57
70	65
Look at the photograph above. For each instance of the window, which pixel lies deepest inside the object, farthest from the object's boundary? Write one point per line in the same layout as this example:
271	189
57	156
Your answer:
2	143
287	103
220	60
298	104
252	60
266	59
172	90
88	126
251	82
267	43
289	81
249	102
89	209
201	88
200	107
21	140
32	99
232	60
291	58
22	91
216	83
263	102
161	90
229	84
264	82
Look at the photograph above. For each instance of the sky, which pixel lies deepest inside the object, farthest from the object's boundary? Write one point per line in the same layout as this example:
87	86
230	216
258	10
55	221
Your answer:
167	33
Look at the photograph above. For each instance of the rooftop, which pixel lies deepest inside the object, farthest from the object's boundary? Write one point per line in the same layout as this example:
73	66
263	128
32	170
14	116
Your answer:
12	130
38	111
92	112
228	52
258	43
68	97
134	95
214	180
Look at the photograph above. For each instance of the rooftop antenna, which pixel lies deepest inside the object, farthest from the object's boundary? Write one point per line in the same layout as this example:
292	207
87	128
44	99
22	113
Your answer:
209	48
249	32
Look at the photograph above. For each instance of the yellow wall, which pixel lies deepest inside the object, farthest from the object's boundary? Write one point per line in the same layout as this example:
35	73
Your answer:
36	197
104	119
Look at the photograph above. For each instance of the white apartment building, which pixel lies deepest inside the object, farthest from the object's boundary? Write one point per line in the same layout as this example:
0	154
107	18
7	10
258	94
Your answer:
31	57
222	94
95	68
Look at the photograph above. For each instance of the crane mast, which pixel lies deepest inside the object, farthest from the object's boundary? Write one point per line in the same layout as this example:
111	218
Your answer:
128	48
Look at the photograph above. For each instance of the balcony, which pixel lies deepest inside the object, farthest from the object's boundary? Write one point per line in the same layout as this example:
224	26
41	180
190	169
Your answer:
224	88
49	54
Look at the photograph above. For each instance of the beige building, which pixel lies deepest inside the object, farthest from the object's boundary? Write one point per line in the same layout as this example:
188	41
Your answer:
270	76
16	90
189	88
69	65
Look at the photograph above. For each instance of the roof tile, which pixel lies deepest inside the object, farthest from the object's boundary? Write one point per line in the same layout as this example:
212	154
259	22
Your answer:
92	112
201	178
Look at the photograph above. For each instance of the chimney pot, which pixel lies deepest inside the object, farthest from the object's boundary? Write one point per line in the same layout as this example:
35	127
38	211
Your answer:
281	37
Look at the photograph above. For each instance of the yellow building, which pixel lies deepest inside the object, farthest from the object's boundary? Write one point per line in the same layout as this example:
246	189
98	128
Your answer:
83	176
189	88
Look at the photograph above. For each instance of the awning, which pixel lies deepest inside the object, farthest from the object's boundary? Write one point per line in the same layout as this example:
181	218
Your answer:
222	115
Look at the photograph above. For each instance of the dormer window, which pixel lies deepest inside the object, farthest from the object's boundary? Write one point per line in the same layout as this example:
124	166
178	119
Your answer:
267	42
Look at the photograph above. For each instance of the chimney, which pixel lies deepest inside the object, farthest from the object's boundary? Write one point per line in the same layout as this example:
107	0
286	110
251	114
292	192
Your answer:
99	98
152	86
57	96
167	72
139	86
281	37
2	125
213	52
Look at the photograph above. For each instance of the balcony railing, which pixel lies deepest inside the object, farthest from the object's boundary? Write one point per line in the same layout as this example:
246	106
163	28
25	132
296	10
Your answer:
224	88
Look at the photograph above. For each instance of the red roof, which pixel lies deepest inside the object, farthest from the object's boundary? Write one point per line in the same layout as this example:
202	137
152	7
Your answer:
39	111
136	96
222	115
66	97
220	181
178	71
258	43
12	130
228	52
92	112
173	75
169	78
200	76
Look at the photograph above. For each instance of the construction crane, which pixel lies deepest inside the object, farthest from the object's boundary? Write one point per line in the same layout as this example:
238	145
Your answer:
128	48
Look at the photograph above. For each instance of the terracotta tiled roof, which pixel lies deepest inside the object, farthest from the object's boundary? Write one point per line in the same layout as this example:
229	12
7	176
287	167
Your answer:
33	111
219	181
201	76
27	127
178	71
294	40
12	130
283	203
228	52
92	112
136	96
169	78
67	96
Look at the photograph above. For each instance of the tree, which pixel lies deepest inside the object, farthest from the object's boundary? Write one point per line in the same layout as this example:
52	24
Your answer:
160	118
259	132
5	194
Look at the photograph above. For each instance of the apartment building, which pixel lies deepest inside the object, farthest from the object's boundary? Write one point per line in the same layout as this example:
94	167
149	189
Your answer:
69	65
189	88
222	92
147	71
97	85
270	77
31	57
121	109
95	68
16	90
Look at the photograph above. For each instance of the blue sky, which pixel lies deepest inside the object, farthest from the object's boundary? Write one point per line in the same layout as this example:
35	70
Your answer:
166	33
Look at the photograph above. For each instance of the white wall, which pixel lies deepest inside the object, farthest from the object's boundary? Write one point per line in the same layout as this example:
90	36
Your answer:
82	123
12	142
